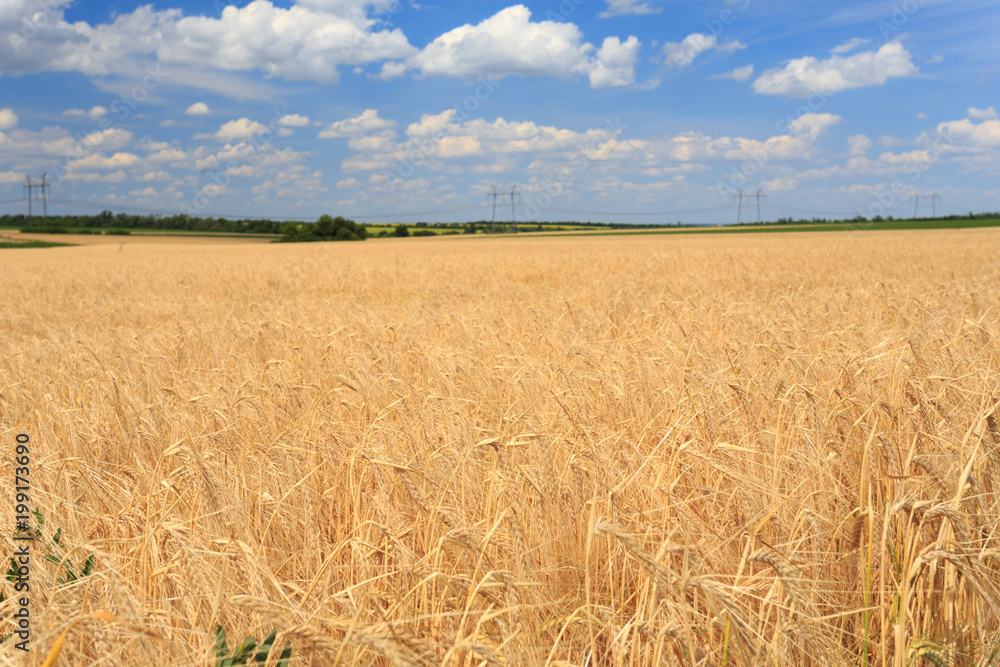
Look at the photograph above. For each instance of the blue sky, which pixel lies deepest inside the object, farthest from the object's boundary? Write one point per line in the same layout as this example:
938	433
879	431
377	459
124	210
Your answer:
627	110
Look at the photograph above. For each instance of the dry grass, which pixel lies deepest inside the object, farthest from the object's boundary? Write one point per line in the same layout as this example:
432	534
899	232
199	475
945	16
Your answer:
755	450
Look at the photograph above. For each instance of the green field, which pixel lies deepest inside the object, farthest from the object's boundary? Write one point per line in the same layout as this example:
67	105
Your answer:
828	227
8	243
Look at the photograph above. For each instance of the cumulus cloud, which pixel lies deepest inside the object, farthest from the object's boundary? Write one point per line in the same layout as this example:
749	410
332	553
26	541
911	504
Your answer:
239	130
983	114
738	74
306	41
100	161
859	144
95	113
8	119
510	43
682	54
615	63
620	7
812	125
808	76
293	120
367	123
967	134
198	109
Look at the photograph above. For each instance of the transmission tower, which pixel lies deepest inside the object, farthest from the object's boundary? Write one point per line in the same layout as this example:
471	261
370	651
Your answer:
29	190
741	196
513	196
494	196
934	198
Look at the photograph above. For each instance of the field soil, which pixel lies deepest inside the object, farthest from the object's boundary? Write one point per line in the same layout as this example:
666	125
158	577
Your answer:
761	449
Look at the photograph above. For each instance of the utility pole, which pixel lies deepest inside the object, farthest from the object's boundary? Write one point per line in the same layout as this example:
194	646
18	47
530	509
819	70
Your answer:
935	198
916	202
738	197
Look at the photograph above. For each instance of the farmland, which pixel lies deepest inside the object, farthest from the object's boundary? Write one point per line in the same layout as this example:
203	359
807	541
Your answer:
673	449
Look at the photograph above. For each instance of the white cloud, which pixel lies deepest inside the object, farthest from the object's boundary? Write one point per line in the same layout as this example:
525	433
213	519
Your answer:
238	130
96	113
293	120
936	59
859	144
921	116
509	43
8	119
966	134
99	161
367	123
198	109
808	76
983	114
306	41
682	54
615	63
849	45
620	7
812	125
738	74
111	139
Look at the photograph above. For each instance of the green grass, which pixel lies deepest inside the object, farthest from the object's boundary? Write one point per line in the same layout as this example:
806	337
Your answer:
8	243
150	232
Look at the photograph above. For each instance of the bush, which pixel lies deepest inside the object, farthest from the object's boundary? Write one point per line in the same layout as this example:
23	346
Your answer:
401	231
118	232
325	229
424	232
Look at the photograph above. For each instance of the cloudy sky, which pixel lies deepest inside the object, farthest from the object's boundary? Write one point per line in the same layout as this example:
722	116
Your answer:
629	110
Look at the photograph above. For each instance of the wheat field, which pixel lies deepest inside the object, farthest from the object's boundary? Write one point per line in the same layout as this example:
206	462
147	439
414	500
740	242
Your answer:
764	449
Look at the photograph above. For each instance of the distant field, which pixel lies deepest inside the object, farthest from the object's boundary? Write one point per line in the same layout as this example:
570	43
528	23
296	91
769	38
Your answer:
13	243
624	451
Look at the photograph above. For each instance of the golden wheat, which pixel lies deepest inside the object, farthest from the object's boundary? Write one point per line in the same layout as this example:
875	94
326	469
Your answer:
772	449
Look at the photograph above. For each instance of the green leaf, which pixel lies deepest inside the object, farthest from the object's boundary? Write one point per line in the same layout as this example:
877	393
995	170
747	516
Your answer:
244	651
286	655
221	649
56	537
265	648
88	566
